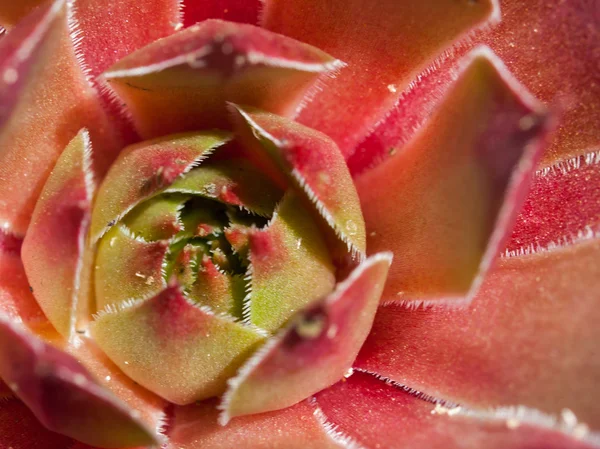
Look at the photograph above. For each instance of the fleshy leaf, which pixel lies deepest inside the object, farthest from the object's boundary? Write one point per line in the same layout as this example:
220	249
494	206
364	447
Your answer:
314	351
370	413
43	91
528	338
145	405
235	182
196	427
181	352
408	115
127	267
62	394
112	30
182	82
242	11
289	266
220	291
53	249
157	218
290	152
563	206
550	49
445	203
16	299
144	169
200	220
386	44
556	57
183	265
20	429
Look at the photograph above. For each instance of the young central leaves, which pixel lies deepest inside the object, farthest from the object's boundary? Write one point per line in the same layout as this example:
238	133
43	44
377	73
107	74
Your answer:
198	261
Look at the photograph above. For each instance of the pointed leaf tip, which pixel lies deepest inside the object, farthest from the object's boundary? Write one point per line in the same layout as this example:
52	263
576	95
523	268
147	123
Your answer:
190	75
310	162
54	249
314	351
446	203
63	395
179	350
386	45
144	169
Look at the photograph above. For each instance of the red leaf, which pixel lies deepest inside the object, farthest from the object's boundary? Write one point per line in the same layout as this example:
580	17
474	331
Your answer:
563	206
314	351
196	427
242	11
529	337
375	414
445	203
19	429
386	44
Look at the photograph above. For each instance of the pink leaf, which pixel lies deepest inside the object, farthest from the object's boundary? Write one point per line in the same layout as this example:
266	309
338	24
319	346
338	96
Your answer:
55	245
63	395
196	427
529	337
111	30
445	203
369	413
182	82
386	44
314	351
42	91
563	206
242	11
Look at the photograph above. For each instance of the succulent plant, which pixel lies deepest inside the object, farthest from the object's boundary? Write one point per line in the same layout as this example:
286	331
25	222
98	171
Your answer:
299	224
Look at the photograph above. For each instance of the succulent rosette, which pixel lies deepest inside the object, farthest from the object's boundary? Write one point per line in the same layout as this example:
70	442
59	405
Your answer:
299	224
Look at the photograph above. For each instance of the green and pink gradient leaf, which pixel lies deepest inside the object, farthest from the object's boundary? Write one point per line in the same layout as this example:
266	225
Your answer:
145	169
216	289
528	338
367	413
314	351
63	395
157	218
293	154
241	11
289	266
445	204
234	181
386	45
183	82
43	91
180	351
54	247
127	267
196	427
